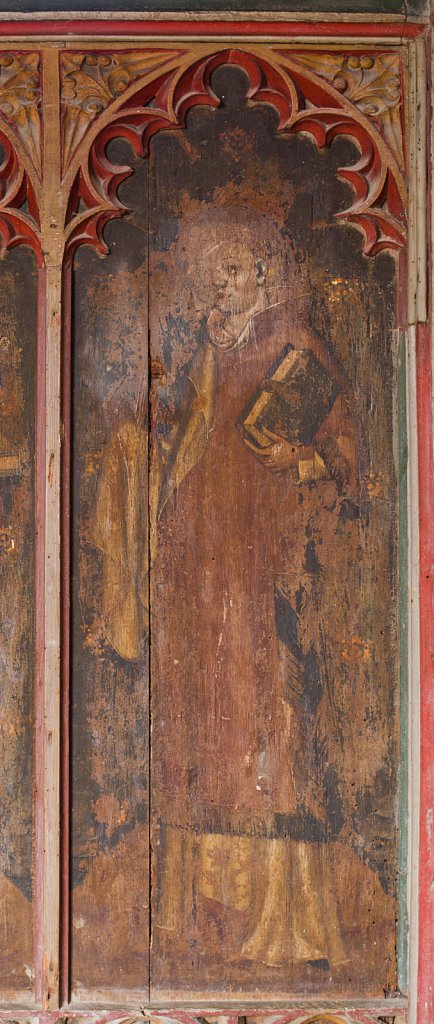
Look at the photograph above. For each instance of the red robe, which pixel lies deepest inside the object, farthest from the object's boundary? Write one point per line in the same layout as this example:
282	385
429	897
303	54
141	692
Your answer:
232	536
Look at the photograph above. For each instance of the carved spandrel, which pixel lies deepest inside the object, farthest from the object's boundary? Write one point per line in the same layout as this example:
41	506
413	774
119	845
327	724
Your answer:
20	148
91	81
371	82
20	97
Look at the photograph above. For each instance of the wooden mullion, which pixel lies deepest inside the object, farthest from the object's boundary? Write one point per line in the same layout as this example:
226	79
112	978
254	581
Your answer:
64	971
49	623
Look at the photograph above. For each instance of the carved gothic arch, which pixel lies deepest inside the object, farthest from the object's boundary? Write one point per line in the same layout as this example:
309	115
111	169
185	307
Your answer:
128	95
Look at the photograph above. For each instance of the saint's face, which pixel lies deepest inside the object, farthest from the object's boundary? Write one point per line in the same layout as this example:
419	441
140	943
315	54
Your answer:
227	276
234	277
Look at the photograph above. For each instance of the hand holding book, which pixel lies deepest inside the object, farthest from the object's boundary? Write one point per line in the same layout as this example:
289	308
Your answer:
280	423
278	454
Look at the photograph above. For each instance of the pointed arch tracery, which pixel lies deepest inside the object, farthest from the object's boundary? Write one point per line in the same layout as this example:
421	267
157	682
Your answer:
304	100
19	214
20	145
135	94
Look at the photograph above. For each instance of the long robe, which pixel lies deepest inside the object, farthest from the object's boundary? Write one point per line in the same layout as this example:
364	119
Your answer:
238	547
236	784
256	654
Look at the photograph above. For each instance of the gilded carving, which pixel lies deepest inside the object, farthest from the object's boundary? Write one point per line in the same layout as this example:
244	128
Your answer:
91	81
20	94
369	81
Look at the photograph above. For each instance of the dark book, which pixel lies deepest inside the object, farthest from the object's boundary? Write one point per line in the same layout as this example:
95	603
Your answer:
293	399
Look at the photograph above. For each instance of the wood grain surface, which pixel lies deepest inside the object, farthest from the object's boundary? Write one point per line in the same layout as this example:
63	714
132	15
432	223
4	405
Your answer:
17	596
109	786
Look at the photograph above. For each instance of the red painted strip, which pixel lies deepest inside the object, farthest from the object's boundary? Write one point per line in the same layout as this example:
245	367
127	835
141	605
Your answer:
65	634
39	633
426	508
189	27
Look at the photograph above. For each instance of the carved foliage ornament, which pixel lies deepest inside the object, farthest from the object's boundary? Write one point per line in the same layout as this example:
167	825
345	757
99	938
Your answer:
20	150
91	81
372	82
305	102
20	97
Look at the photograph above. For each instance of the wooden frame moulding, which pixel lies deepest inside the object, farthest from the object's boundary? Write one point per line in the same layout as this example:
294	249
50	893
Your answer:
54	232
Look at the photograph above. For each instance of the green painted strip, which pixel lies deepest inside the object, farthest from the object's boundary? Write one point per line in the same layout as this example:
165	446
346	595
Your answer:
402	941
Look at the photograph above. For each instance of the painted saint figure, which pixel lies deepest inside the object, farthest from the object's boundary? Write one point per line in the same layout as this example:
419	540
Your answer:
240	518
260	472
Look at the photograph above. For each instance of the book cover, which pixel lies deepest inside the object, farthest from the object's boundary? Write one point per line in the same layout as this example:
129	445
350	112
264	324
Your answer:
292	400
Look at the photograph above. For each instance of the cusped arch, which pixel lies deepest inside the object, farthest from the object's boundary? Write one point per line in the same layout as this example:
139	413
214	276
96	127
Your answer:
19	211
304	102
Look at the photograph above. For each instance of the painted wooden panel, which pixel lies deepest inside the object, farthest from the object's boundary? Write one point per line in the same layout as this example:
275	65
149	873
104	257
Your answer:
239	529
109	903
273	552
17	623
259	514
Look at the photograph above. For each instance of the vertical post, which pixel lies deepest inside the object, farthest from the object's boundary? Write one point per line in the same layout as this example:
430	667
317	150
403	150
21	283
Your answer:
417	179
403	569
416	315
425	988
65	540
425	354
49	625
414	674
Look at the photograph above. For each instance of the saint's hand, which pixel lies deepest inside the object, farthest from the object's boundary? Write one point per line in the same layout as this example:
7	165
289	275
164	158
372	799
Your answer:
278	455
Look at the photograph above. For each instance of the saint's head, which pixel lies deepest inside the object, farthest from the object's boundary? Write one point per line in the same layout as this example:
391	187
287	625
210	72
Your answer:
231	258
